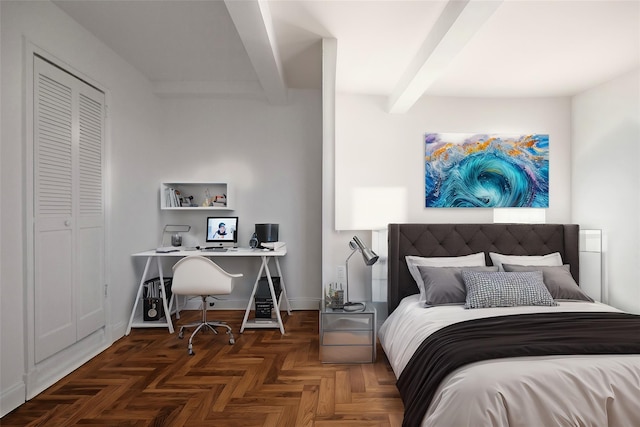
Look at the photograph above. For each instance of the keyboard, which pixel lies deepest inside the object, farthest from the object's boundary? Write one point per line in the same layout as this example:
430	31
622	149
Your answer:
213	249
167	249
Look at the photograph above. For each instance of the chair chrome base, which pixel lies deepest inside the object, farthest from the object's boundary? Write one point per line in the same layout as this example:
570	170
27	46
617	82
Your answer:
204	323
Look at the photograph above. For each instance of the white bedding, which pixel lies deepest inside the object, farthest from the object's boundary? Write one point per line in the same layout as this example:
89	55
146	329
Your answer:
593	391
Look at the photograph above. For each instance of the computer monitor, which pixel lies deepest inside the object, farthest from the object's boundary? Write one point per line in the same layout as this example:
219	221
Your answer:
222	231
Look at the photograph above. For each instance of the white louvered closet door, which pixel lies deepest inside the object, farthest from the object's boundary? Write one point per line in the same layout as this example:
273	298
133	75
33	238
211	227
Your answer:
68	209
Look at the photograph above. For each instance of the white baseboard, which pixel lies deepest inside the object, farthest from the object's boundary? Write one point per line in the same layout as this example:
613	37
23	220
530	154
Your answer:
236	304
12	397
118	330
46	373
193	303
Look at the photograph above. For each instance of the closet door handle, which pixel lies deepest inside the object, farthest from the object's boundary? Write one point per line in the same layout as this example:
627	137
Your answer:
67	223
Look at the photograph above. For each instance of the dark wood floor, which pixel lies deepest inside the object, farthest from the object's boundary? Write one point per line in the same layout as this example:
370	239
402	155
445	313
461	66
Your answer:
265	379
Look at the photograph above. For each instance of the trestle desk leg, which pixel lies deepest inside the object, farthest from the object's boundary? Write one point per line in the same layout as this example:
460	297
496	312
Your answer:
139	294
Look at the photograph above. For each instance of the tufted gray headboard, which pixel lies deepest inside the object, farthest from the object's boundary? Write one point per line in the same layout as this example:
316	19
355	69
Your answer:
438	240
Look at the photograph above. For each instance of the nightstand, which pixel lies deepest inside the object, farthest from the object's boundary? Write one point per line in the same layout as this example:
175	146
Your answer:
348	337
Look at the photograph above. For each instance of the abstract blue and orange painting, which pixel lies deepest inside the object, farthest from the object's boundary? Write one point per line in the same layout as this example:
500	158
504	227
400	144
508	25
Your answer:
486	170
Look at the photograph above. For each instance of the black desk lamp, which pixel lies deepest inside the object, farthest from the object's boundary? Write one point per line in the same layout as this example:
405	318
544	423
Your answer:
369	257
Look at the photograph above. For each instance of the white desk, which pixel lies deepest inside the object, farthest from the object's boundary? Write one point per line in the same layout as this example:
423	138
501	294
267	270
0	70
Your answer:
264	255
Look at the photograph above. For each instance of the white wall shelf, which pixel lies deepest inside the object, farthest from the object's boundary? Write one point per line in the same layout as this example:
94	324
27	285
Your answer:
181	196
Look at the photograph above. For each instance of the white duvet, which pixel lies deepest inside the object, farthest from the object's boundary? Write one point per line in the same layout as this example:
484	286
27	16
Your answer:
547	391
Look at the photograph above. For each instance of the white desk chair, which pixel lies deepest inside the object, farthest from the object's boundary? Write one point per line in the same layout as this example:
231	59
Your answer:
197	275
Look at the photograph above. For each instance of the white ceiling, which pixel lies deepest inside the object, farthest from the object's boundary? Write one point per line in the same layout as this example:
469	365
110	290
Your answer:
511	48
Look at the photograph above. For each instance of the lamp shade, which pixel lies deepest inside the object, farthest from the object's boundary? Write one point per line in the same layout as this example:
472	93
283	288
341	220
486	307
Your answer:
368	255
369	258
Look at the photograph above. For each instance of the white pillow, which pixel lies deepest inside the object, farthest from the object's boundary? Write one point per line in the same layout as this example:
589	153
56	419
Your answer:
551	260
473	260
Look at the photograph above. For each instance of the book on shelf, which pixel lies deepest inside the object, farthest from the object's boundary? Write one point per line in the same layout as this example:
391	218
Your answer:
171	197
174	199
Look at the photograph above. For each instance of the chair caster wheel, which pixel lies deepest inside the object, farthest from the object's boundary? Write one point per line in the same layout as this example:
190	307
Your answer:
180	335
191	353
232	341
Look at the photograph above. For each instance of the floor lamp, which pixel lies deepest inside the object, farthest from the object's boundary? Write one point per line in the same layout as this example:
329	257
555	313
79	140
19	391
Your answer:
369	258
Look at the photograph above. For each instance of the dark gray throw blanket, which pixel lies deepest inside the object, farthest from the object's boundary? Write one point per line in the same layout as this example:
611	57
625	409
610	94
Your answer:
535	334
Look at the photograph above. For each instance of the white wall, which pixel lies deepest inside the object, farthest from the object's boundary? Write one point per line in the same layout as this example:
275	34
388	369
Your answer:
329	56
606	180
132	127
271	155
377	149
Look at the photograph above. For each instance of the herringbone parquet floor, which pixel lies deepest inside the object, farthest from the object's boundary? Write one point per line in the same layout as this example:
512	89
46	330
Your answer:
265	379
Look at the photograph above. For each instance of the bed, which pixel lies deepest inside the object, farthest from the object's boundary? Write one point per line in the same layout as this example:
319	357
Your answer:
548	356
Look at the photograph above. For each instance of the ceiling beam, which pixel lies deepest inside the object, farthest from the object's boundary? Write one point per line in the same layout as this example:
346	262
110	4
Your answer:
253	23
250	89
456	25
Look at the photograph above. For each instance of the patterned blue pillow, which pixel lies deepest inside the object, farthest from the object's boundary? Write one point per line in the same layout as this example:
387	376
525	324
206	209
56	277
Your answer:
503	289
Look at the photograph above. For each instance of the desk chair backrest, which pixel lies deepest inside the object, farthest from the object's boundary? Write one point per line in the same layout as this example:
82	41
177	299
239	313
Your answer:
197	275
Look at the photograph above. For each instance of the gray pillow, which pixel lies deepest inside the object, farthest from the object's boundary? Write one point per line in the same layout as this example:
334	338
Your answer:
505	289
558	281
473	260
444	285
550	259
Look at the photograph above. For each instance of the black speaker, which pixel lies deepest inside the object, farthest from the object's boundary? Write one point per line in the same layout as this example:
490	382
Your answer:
267	232
153	309
152	298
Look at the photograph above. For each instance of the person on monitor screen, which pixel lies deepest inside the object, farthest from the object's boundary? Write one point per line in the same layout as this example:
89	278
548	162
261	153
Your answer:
221	232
